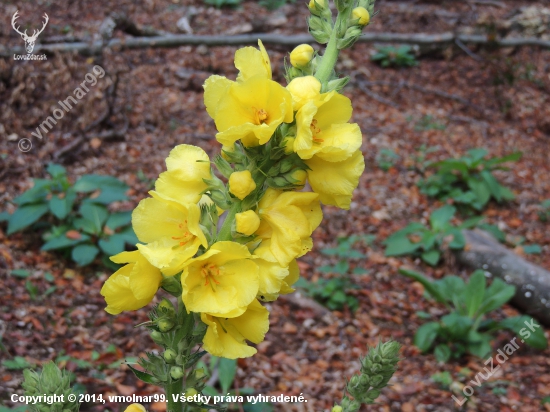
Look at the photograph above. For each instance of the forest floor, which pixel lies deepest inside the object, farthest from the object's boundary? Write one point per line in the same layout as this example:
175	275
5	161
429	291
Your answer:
498	99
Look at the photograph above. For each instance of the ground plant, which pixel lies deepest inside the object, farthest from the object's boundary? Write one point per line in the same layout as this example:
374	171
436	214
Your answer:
468	180
466	328
386	159
391	56
334	293
429	242
75	218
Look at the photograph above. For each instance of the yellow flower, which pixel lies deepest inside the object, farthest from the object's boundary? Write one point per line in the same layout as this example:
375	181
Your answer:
250	110
170	230
241	184
301	55
135	407
362	14
252	62
322	129
335	181
288	219
274	278
221	280
227	336
304	89
133	285
187	166
247	222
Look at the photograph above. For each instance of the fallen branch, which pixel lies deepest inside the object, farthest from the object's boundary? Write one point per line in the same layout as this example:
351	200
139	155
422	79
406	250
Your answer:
175	40
363	83
532	282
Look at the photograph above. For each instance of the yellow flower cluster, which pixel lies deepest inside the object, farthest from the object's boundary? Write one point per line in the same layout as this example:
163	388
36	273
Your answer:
275	139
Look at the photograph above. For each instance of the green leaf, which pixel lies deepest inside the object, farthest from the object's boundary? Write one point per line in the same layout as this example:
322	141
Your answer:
530	331
20	273
84	254
471	222
129	235
96	214
475	291
113	245
17	363
475	155
496	295
62	242
25	216
56	170
532	249
35	194
492	184
258	407
453	287
425	335
514	157
432	288
431	257
400	245
89	183
61	205
479	189
480	348
85	225
4	216
227	370
456	326
145	377
442	352
506	193
118	219
494	231
458	241
440	217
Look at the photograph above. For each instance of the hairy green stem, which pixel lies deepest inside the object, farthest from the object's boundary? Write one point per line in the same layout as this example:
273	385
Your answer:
174	388
324	70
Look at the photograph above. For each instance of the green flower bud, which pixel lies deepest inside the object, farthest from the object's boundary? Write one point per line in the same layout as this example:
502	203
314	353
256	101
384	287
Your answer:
171	285
320	37
165	324
165	306
336	408
157	337
288	144
170	355
337	84
220	199
176	372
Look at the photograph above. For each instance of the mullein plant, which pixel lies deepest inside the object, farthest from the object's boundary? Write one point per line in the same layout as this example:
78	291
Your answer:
222	246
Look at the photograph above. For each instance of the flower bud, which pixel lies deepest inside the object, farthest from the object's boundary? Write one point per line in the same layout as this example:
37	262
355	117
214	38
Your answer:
337	408
361	14
303	89
171	285
247	222
135	407
227	151
241	184
301	55
165	324
190	392
157	337
170	355
165	306
220	199
288	144
316	7
176	372
199	373
298	177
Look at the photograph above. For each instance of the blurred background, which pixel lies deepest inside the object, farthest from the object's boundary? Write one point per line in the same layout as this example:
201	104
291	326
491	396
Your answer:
432	80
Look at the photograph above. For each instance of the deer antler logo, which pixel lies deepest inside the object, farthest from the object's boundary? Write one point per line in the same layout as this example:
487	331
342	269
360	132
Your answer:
29	40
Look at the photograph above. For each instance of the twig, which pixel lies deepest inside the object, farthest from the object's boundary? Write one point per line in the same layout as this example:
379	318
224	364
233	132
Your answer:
488	3
375	96
176	40
468	51
416	87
